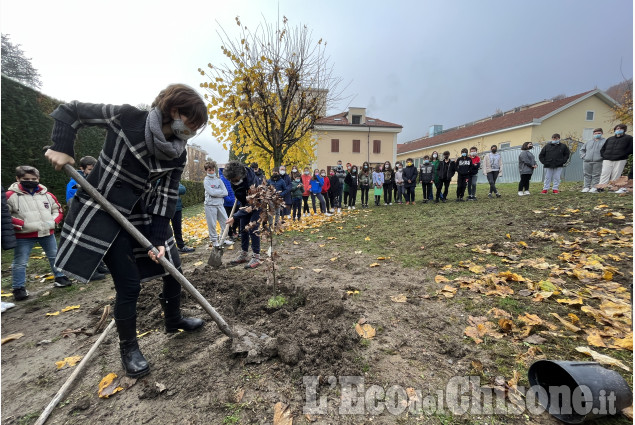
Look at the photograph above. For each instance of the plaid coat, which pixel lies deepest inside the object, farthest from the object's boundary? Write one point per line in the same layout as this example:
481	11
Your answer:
143	188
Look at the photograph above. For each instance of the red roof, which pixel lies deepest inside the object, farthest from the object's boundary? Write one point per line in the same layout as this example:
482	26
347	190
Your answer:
508	120
341	119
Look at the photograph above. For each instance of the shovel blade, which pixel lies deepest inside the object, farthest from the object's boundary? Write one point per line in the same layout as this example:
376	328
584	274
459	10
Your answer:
216	258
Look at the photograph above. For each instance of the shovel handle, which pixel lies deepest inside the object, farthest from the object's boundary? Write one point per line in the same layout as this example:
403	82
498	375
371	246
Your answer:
227	226
135	233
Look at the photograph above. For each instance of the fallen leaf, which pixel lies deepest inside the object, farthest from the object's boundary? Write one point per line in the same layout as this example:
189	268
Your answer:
508	236
296	243
568	325
448	291
108	386
505	324
69	308
365	331
594	338
477	365
68	361
367	238
57	313
381	258
460	245
282	414
358	252
11	337
401	298
472	332
601	358
333	259
612	309
574	301
535	339
574	319
625	343
330	238
530	319
508	275
198	263
374	265
628	412
546	285
317	270
438	279
477	269
497	312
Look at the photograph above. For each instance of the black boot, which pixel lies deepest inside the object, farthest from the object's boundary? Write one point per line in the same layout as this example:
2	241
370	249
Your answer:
132	360
173	319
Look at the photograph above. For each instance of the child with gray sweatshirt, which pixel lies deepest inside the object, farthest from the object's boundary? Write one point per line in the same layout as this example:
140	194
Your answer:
215	192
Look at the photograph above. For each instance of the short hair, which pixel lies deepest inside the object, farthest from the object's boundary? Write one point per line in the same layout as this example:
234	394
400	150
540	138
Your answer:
295	175
464	150
254	165
446	153
525	146
622	126
598	129
186	100
87	161
555	136
474	148
426	157
22	170
494	146
234	170
211	164
377	168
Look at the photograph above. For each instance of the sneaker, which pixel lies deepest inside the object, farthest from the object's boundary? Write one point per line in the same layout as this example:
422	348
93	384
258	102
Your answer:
97	276
242	258
353	206
390	203
20	294
527	193
622	190
443	200
521	193
585	190
253	263
62	282
593	190
458	199
187	249
498	195
555	191
339	210
473	198
407	203
544	192
328	214
227	242
436	201
349	208
489	195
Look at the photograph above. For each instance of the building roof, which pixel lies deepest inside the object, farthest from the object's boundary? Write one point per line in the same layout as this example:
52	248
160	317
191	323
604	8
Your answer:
517	117
342	120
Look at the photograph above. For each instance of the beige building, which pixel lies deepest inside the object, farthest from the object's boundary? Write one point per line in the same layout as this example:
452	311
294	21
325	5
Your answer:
353	137
196	157
572	117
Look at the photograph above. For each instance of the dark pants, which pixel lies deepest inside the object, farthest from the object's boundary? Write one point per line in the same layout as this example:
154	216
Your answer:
177	221
123	268
427	191
445	185
471	185
395	191
352	195
364	196
296	206
524	182
410	193
332	199
233	229
327	201
306	209
461	184
377	200
246	235
388	193
320	200
491	178
345	203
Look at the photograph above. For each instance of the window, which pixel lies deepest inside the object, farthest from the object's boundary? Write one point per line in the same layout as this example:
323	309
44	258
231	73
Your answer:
356	144
357	119
505	145
590	115
416	162
335	145
376	146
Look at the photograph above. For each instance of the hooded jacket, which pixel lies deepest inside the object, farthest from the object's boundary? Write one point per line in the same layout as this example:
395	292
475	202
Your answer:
351	180
410	173
241	190
306	182
426	173
591	151
554	155
228	201
446	170
526	162
296	190
280	184
327	185
316	184
215	191
463	165
33	215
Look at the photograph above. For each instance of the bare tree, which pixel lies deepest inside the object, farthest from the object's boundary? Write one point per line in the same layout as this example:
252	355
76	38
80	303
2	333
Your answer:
17	66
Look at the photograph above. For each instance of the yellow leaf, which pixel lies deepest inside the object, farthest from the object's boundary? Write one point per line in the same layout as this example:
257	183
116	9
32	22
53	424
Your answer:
607	275
333	259
438	279
626	342
530	319
367	238
574	301
545	285
317	270
11	338
322	246
106	384
352	292
448	291
69	308
594	338
375	265
505	324
497	312
297	243
57	313
508	236
365	331
523	244
282	414
568	325
381	258
601	358
612	309
331	238
477	269
401	298
574	319
68	361
473	333
508	275
198	263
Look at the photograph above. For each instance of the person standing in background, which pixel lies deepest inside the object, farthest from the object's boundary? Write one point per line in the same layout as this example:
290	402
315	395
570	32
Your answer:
177	223
615	153
592	159
526	166
473	177
553	156
493	169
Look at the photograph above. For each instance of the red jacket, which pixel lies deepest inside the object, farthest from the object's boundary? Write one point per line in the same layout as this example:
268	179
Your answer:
306	182
327	185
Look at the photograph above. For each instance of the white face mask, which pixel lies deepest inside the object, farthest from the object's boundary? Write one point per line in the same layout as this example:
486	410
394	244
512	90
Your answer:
282	172
182	131
211	174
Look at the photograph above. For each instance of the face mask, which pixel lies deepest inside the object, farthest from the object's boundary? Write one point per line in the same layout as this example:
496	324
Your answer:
365	167
317	174
323	174
211	174
331	173
282	172
530	147
238	182
555	142
297	180
386	166
306	173
464	154
275	175
295	170
472	153
494	150
181	131
597	136
29	184
354	170
435	156
408	164
348	167
339	167
619	132
425	161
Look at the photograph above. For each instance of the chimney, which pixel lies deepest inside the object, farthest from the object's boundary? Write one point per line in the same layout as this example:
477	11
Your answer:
434	130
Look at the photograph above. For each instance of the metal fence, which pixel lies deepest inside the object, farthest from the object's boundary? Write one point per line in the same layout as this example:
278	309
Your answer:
573	171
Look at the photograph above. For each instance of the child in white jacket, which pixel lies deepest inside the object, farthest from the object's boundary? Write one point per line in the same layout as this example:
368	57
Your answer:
215	192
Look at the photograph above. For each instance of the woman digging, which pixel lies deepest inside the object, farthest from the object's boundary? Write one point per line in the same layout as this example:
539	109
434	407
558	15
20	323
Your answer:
138	171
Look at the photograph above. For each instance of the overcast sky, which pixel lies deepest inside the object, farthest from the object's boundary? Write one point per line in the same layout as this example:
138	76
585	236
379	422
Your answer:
415	63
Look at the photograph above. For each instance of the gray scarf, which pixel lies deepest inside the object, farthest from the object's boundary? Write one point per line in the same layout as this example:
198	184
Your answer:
162	149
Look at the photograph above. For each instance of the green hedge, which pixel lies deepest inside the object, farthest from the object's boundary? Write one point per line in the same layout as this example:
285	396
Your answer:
195	194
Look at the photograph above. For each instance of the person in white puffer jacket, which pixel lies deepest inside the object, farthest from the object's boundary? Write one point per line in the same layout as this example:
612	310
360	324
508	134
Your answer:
215	192
34	213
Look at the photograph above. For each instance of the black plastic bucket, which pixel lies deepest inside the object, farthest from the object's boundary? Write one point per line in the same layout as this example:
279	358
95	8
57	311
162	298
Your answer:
574	392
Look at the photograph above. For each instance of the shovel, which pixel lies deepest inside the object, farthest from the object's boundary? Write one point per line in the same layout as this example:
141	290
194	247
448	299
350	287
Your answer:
135	233
216	257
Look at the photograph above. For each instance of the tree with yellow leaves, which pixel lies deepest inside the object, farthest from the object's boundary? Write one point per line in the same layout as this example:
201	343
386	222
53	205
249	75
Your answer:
624	111
265	100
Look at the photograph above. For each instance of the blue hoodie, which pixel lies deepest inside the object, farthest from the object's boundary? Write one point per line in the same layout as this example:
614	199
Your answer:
316	185
230	198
